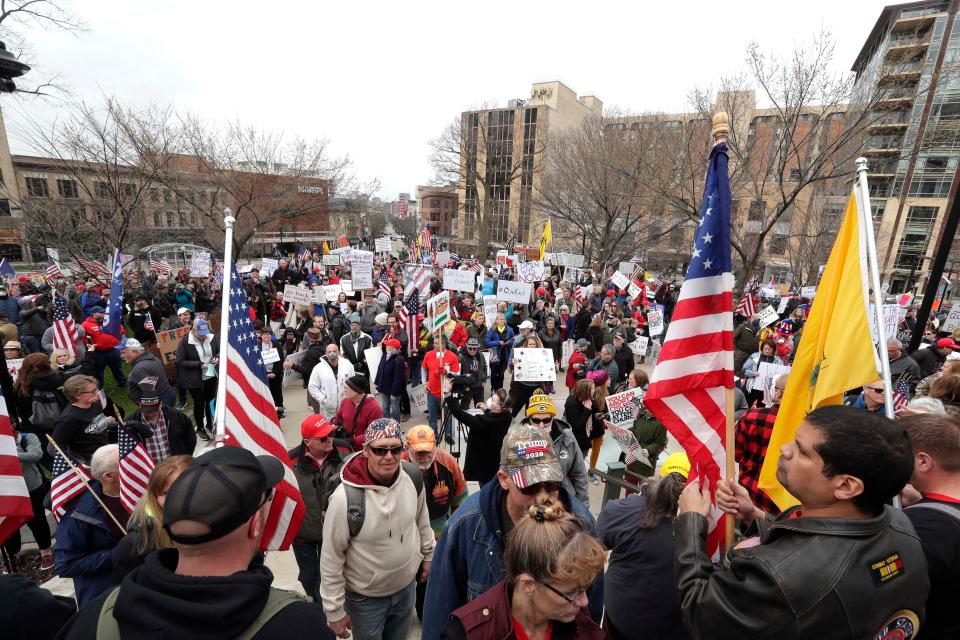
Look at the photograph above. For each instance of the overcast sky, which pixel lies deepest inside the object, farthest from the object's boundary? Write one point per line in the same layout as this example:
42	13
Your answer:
381	79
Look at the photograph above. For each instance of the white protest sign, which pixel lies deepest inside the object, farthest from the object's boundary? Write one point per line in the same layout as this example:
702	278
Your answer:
768	315
509	291
502	257
418	397
953	318
620	280
289	375
269	356
200	264
623	408
639	346
331	292
892	313
808	292
297	295
574	260
347	287
13	366
268	266
533	365
766	375
438	311
566	350
634	290
490	310
627	268
443	257
383	244
768	292
571	274
373	356
459	280
530	272
655	322
783	304
362	269
331	259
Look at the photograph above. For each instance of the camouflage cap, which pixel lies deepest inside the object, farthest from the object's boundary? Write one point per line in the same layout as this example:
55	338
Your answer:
528	458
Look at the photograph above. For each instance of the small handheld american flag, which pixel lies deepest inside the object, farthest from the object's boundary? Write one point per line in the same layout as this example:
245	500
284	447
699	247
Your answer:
136	465
69	481
747	305
53	271
161	266
65	332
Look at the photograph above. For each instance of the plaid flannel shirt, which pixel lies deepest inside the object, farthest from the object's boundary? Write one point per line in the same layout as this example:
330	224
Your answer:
752	437
158	445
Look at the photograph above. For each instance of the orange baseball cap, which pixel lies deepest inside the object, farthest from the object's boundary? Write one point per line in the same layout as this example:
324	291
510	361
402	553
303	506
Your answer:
421	438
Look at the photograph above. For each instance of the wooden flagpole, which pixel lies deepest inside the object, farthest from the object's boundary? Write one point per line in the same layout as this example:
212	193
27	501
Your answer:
87	485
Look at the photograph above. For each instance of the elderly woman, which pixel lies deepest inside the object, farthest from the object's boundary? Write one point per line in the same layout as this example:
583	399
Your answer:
751	368
197	360
549	562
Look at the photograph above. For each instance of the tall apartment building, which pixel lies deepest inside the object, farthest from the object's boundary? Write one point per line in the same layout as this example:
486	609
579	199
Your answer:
914	148
502	149
438	210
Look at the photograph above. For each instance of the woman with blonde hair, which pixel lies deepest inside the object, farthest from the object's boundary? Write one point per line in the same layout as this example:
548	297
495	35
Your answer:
145	532
549	562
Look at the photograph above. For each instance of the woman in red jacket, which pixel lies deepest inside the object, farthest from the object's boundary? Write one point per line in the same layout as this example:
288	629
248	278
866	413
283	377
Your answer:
577	365
357	410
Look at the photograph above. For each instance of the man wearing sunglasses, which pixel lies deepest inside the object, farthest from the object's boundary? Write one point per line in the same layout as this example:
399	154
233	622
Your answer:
316	464
541	413
468	559
368	576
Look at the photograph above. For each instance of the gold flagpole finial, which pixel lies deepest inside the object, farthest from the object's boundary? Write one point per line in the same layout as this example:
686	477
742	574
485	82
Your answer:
721	127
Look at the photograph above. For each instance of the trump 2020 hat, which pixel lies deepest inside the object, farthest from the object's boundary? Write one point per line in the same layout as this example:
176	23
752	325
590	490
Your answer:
528	458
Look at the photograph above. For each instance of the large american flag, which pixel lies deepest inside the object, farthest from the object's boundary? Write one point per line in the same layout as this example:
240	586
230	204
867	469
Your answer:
408	321
160	266
688	390
65	332
251	417
136	465
417	276
68	483
15	507
383	284
95	268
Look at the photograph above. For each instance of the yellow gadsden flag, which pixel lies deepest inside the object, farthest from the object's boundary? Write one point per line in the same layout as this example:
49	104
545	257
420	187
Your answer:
545	240
836	351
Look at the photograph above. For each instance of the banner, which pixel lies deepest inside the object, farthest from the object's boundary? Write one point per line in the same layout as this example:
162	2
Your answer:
373	356
418	397
893	313
13	366
490	310
534	365
299	296
566	350
199	264
655	322
509	291
530	272
331	292
571	275
362	269
459	280
808	292
949	325
639	346
438	311
443	258
627	268
621	281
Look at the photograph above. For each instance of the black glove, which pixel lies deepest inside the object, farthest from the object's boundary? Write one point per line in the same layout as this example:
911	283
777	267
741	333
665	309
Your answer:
141	429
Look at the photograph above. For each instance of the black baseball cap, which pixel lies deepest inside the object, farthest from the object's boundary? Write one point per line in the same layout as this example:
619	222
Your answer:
222	489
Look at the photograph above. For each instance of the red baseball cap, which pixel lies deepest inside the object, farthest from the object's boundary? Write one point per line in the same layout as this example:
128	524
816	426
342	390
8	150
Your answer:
948	343
315	426
609	293
392	342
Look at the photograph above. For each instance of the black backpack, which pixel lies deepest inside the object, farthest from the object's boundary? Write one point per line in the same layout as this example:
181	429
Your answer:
356	500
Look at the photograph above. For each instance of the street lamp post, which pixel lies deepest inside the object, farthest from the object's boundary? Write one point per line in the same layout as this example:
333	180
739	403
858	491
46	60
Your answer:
10	68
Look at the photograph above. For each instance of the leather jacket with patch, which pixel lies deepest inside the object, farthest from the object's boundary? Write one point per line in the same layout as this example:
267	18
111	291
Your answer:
804	578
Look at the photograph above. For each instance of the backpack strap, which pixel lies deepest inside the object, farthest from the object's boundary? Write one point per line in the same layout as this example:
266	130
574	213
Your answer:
938	506
356	501
277	600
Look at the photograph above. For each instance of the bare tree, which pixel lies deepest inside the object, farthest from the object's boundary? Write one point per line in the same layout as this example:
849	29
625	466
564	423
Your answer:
479	152
15	15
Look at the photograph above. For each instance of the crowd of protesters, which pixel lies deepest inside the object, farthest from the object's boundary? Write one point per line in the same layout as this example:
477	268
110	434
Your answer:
392	530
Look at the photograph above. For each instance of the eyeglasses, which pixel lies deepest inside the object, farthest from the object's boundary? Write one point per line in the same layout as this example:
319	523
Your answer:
542	420
534	489
569	597
94	390
382	451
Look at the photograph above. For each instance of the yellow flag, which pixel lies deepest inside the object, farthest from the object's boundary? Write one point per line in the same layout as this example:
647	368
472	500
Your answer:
326	248
836	351
547	237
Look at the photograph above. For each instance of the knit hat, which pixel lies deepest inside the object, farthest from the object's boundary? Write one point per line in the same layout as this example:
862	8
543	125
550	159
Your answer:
354	318
315	426
599	377
358	383
380	318
380	429
540	402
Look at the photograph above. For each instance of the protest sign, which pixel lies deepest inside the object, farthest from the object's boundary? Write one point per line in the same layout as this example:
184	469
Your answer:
442	258
459	280
808	292
300	296
200	264
530	271
418	397
627	268
383	244
268	266
347	287
634	290
167	342
269	356
768	315
655	322
624	407
904	300
289	375
892	313
331	292
490	310
953	318
362	269
621	281
783	304
373	356
534	365
509	291
574	260
438	311
767	373
768	292
639	346
502	257
331	259
628	443
13	366
566	350
571	274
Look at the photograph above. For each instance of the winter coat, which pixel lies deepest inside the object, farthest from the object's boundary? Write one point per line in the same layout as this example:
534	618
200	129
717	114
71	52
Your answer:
317	485
147	377
309	361
391	377
180	432
578	417
551	342
326	387
353	350
189	365
31	612
354	418
752	365
505	353
138	321
487	431
596	364
467	560
11	307
367	315
85	546
576	363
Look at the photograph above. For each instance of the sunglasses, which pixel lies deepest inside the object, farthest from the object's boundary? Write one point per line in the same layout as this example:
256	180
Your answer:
542	420
875	389
326	438
382	451
534	489
569	597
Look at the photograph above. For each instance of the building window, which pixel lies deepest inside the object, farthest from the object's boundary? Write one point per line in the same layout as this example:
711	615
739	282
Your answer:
68	189
101	189
171	219
12	252
1	178
5	208
756	210
778	245
37	188
166	195
129	190
156	218
916	237
154	194
794	175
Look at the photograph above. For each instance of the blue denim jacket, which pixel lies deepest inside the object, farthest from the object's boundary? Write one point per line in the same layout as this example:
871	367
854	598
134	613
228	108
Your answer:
467	560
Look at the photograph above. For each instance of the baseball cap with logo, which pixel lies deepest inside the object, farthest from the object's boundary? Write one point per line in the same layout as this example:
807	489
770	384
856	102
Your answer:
315	426
422	438
129	343
528	458
676	463
202	327
221	489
